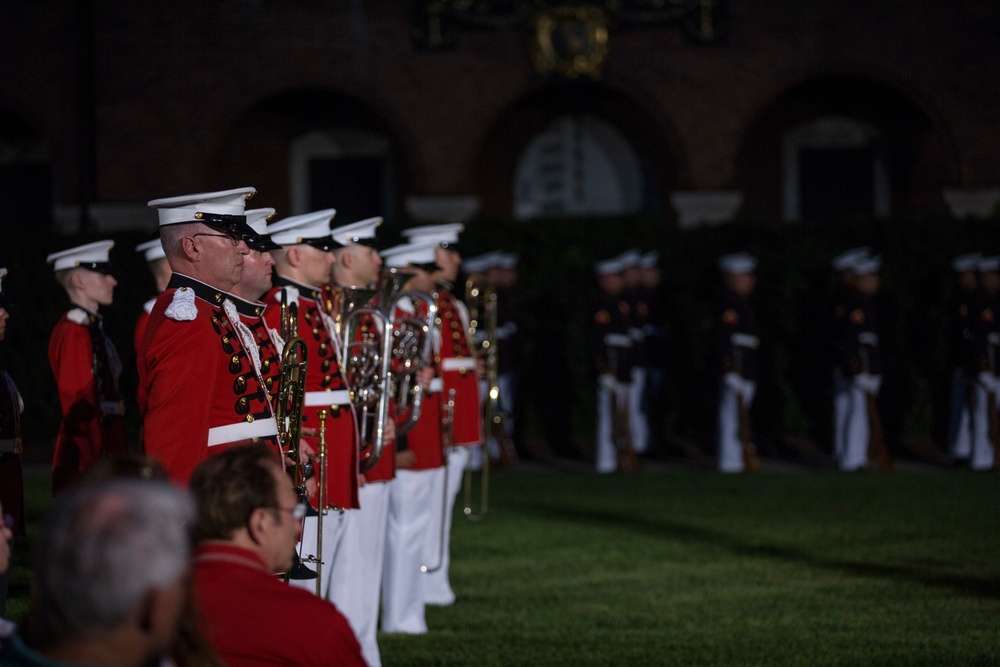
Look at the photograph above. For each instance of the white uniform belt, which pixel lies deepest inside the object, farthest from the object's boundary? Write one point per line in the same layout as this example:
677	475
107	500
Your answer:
327	398
6	445
436	384
458	364
636	334
868	338
744	340
258	428
617	340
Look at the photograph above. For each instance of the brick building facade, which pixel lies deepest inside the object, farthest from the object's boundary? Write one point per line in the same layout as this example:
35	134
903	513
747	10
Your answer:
797	107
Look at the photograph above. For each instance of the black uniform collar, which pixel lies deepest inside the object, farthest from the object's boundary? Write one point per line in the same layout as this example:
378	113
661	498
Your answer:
204	292
307	291
244	307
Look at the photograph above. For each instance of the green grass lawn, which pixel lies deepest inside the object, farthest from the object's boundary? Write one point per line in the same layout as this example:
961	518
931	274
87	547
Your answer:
687	567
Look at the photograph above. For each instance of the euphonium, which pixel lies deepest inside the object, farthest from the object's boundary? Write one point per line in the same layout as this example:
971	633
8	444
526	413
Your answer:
365	337
411	336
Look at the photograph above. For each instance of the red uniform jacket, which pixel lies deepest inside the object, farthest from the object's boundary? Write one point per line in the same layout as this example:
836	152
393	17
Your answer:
141	323
252	619
326	388
86	369
268	354
199	391
424	439
457	367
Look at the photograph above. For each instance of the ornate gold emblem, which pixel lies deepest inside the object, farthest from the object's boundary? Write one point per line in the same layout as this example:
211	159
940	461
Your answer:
570	41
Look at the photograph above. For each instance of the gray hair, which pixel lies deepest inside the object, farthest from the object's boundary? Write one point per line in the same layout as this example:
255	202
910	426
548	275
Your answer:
102	548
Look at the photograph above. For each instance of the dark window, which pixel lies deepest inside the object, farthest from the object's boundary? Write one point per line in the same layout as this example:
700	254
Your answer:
836	183
26	193
355	186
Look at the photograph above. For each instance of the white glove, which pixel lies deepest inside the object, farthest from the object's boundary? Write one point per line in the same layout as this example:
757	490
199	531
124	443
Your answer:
867	382
989	381
739	385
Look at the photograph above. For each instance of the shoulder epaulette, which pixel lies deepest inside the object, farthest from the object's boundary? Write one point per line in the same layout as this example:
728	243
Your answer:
182	307
78	316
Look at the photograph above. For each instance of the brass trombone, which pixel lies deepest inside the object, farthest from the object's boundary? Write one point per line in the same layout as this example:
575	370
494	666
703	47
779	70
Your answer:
481	300
288	415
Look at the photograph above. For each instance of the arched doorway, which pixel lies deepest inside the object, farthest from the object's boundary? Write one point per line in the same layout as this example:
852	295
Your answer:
26	185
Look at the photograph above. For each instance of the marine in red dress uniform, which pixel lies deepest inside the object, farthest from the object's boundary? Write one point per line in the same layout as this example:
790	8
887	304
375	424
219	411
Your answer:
156	259
301	267
11	407
86	366
458	372
200	391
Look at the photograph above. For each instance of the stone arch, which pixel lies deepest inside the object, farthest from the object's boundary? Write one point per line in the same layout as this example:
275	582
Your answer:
858	121
310	148
582	103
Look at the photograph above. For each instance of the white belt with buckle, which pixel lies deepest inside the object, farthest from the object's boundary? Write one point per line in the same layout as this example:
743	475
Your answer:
258	428
436	384
458	364
327	398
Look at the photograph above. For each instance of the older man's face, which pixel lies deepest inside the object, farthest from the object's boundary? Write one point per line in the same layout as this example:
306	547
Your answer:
223	256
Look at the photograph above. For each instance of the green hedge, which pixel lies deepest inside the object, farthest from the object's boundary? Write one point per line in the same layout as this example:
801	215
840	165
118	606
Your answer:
554	294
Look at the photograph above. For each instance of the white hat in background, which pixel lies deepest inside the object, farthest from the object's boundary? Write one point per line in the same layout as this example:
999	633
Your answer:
152	250
419	255
362	232
257	220
847	259
309	228
93	256
737	263
445	236
867	265
964	263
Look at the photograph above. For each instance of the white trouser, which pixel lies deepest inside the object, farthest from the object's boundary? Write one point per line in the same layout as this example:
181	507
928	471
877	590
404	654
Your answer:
730	447
981	454
960	423
333	532
357	569
437	587
856	431
841	401
609	393
406	528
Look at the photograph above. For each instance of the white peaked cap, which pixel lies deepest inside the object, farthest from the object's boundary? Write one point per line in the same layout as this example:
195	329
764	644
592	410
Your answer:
649	260
360	232
152	250
990	263
630	258
966	262
867	265
847	259
301	228
443	235
409	253
195	208
91	253
737	262
257	219
481	263
608	266
507	260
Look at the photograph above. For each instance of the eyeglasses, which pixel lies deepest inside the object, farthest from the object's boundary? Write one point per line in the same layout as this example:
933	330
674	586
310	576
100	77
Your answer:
235	239
298	512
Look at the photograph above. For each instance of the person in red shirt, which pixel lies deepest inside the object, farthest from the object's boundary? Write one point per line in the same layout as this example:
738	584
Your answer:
85	365
248	523
11	479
